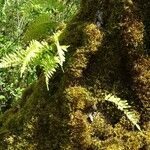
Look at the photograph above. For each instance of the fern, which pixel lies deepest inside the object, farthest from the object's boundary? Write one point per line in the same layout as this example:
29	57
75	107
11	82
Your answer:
60	48
12	60
33	50
124	106
49	64
38	54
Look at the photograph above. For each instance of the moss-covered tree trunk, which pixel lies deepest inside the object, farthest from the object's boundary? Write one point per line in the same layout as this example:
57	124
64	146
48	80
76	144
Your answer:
108	53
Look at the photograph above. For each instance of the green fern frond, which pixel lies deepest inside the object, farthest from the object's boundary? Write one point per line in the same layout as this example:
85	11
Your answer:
61	49
124	106
33	51
49	64
38	54
12	60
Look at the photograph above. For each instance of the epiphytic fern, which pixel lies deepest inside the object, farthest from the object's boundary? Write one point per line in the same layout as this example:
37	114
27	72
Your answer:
124	106
12	60
49	64
38	54
60	48
32	52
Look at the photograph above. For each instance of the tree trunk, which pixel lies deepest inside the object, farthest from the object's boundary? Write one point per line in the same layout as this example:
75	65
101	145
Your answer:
108	53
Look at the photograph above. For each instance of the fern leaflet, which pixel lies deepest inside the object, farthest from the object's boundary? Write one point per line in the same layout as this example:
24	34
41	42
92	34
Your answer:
60	48
124	106
12	60
49	64
33	50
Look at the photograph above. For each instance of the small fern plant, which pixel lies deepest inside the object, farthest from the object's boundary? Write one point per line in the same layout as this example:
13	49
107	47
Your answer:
125	107
47	56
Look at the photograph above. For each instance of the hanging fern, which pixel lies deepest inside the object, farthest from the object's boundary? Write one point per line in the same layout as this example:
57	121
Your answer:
49	57
61	48
124	106
49	64
12	60
33	51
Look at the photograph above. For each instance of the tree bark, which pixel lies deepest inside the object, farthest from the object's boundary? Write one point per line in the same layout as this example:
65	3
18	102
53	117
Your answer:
107	54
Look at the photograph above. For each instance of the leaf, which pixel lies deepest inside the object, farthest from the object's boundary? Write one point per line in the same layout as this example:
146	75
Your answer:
61	53
33	50
124	106
2	97
49	64
60	48
12	59
39	28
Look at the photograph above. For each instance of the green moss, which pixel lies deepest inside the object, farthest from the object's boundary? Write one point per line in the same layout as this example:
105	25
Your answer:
141	78
80	131
112	60
79	98
78	57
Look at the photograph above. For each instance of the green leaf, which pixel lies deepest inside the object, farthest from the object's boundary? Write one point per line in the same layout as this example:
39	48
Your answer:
60	48
39	28
124	106
33	50
12	60
49	64
2	97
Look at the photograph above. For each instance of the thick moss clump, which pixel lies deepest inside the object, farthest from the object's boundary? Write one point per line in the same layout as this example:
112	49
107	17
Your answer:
73	114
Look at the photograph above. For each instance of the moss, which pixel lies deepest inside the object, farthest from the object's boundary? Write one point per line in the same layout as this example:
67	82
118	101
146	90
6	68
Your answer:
141	78
102	130
79	98
110	59
114	146
79	56
80	131
26	94
145	5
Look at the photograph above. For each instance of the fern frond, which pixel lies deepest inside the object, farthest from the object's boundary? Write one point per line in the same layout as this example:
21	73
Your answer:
61	49
49	64
124	106
33	50
38	53
61	52
12	60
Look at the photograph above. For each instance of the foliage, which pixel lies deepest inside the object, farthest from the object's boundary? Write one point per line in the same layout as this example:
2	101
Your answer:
38	54
42	26
124	106
22	21
51	14
102	64
10	83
